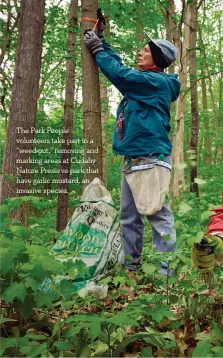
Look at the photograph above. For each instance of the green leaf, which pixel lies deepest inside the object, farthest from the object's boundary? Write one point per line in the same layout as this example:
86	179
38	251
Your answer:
122	319
63	345
94	330
100	348
217	335
184	208
202	349
75	330
45	299
4	209
26	307
20	231
169	335
31	283
82	350
33	349
200	181
127	341
146	353
202	336
119	279
158	313
7	343
199	236
218	352
36	337
154	338
149	269
7	260
15	290
57	328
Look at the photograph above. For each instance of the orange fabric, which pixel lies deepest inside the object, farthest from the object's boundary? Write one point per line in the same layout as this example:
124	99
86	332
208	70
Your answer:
216	223
91	19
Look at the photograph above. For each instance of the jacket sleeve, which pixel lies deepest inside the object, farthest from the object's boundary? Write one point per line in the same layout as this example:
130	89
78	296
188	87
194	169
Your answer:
128	81
110	51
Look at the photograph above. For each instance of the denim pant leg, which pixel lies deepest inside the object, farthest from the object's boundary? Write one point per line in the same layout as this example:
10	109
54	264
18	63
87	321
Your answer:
132	226
162	224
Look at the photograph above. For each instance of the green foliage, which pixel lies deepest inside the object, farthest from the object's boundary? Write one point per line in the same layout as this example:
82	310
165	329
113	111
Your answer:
149	311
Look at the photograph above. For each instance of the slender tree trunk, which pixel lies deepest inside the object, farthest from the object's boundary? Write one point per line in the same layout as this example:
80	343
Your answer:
104	120
64	175
10	26
207	135
193	84
220	101
24	100
91	102
139	29
104	103
178	139
171	29
211	91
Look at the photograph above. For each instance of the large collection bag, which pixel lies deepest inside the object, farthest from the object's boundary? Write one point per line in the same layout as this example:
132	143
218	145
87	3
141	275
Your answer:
93	233
149	181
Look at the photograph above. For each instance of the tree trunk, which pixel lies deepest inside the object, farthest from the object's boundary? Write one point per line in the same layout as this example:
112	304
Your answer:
171	29
91	102
104	119
192	7
140	38
24	100
178	138
104	104
210	87
207	135
64	175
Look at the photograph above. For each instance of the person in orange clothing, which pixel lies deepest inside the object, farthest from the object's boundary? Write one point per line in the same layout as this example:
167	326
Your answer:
209	252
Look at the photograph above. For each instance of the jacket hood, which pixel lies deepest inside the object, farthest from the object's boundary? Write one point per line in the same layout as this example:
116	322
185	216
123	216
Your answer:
174	84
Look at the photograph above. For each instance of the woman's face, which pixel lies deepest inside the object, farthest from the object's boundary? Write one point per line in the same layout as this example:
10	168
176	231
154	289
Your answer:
145	61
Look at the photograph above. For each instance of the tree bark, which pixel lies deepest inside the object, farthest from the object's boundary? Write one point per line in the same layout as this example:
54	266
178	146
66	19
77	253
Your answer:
91	102
24	100
104	103
66	148
210	87
192	7
178	138
171	29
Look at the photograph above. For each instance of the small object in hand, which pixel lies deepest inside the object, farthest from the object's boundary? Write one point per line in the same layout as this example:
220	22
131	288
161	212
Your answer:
101	23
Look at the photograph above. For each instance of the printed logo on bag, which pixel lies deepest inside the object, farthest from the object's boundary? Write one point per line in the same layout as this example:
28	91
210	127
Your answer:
81	240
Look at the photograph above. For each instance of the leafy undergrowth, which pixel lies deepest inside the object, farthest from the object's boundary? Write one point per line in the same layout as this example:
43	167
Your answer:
144	314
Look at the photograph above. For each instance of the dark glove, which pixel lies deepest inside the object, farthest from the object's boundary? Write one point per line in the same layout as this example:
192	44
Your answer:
93	42
101	23
207	253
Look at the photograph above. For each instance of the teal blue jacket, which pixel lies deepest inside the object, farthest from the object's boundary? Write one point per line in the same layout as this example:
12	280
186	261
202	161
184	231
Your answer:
146	105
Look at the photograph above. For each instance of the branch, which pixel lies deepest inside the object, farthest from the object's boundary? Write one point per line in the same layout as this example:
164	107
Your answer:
202	78
59	3
167	11
199	4
48	75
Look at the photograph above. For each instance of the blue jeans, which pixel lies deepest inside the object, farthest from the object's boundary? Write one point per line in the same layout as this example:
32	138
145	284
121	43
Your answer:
132	225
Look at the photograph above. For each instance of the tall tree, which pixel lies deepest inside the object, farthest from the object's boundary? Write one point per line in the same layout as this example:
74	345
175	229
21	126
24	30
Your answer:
182	42
24	99
104	102
66	147
193	9
91	101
